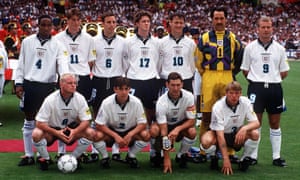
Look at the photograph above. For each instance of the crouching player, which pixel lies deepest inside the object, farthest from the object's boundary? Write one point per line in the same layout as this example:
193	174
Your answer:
228	129
64	115
175	114
121	119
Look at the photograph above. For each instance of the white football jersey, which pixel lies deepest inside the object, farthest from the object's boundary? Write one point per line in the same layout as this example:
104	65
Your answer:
177	57
143	58
41	63
119	118
110	58
224	118
81	51
3	65
171	112
3	60
265	65
57	113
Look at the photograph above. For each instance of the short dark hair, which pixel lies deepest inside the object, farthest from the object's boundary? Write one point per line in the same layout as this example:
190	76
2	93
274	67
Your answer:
218	8
174	76
45	16
107	14
140	14
73	12
176	14
122	81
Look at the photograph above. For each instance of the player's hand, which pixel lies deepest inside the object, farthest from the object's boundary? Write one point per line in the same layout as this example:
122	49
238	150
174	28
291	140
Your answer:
167	165
240	137
122	143
227	169
62	136
173	135
19	91
127	138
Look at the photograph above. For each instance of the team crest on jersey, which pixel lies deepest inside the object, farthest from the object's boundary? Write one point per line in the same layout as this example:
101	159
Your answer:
234	119
108	52
122	116
74	47
177	50
265	57
144	51
175	112
40	52
220	42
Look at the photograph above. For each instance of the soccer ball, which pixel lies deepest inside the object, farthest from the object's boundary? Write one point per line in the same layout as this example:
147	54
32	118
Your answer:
67	163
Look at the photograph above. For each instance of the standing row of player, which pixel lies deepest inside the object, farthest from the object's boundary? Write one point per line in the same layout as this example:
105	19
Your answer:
147	62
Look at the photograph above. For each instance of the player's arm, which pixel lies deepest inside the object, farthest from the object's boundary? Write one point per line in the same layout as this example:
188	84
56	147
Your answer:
74	133
226	169
108	132
167	160
241	135
198	60
283	74
139	128
47	129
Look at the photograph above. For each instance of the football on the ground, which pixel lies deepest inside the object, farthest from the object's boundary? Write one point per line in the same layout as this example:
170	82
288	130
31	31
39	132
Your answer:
67	163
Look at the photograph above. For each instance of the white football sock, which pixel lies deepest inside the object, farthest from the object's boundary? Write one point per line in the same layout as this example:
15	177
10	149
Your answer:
27	137
250	149
41	147
101	148
115	148
82	145
275	138
61	147
137	147
186	144
211	150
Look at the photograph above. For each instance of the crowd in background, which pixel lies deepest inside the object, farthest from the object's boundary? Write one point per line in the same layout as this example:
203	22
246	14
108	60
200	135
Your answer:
242	15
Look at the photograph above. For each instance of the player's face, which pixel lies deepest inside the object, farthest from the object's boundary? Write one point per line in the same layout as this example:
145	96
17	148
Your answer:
233	97
109	25
45	27
122	93
177	25
74	24
174	87
68	86
219	21
144	24
265	31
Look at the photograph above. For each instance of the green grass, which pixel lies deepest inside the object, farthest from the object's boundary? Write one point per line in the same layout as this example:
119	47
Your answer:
12	119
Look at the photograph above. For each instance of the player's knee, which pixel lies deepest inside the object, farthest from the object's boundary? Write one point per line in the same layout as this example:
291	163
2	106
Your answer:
192	132
37	135
145	135
154	130
255	135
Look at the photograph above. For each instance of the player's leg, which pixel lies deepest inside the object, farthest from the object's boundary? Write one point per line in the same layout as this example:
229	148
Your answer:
100	143
40	141
140	141
189	138
208	145
155	146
